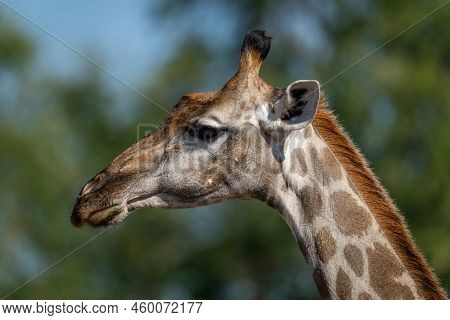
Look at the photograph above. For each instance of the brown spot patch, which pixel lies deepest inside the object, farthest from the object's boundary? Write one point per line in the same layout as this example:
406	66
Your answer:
325	244
299	161
315	161
321	283
354	257
364	296
343	285
326	167
384	267
311	201
378	201
351	218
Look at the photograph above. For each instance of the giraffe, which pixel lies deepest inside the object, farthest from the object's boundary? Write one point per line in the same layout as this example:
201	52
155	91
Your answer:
283	146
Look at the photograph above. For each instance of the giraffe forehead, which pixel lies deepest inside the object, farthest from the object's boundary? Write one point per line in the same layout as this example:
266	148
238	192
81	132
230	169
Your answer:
233	112
238	101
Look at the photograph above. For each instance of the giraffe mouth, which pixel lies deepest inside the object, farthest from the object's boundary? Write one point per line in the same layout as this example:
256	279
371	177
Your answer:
101	217
114	214
107	216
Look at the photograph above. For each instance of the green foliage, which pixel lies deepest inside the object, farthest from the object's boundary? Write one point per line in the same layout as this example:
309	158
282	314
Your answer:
15	50
55	134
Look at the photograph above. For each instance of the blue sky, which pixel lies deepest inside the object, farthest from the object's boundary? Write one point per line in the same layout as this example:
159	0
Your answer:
128	40
123	37
120	37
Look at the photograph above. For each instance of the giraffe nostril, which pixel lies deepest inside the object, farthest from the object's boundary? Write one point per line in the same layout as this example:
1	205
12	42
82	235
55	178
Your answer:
94	184
87	188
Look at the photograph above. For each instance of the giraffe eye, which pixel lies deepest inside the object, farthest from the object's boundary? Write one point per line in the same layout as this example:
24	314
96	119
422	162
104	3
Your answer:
202	133
207	134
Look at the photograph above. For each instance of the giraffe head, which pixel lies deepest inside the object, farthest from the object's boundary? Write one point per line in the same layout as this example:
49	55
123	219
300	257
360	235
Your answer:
213	146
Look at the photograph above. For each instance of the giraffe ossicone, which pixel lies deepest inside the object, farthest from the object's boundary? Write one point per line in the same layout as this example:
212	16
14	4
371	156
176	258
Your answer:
281	146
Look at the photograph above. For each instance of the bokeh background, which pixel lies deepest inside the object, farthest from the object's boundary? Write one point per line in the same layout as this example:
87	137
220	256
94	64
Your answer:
62	119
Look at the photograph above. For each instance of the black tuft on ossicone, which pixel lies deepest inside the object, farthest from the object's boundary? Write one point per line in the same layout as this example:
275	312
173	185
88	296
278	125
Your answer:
258	41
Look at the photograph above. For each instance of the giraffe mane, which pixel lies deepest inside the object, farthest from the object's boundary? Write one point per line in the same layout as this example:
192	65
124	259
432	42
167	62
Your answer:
377	199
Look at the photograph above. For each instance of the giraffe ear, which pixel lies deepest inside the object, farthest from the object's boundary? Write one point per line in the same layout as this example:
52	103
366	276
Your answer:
297	107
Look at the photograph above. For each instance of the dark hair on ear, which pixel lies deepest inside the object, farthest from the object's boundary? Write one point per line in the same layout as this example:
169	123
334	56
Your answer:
257	40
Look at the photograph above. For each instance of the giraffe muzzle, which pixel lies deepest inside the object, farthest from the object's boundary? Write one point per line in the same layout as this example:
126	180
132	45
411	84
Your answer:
101	202
86	211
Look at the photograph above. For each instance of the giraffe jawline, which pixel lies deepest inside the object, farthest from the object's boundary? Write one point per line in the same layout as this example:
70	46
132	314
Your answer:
159	200
163	201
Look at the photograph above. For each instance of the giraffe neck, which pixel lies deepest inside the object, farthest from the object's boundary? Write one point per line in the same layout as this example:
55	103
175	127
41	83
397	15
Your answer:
346	249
